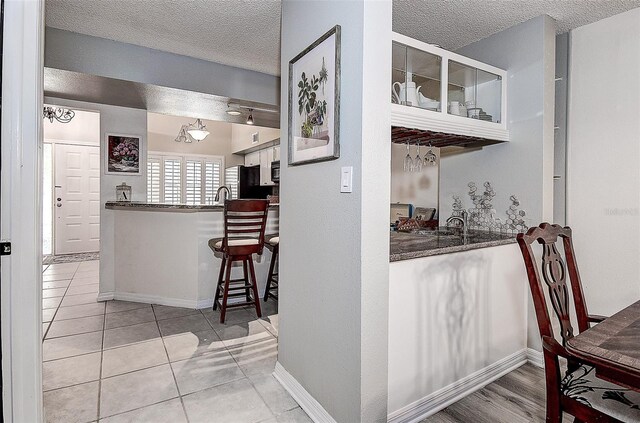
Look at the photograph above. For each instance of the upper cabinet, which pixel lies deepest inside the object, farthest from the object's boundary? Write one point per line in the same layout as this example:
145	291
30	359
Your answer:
436	90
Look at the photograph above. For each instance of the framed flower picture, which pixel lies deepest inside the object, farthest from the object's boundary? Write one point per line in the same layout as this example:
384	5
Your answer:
123	154
314	101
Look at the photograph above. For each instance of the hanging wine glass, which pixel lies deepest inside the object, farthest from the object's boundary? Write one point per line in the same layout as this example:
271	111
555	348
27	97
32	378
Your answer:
430	159
408	161
417	162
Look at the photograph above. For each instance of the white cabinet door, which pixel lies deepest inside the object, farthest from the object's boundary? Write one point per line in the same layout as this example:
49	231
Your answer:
276	153
77	199
252	159
266	157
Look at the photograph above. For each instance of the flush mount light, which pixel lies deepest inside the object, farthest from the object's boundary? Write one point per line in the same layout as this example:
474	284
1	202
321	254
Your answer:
58	113
197	130
233	111
250	118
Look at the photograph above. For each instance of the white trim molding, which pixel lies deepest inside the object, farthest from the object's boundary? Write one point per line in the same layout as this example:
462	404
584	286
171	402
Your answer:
442	398
21	210
535	357
314	410
154	299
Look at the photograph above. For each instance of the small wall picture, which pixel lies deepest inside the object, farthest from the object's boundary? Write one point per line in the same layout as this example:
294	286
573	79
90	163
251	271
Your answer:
123	154
314	101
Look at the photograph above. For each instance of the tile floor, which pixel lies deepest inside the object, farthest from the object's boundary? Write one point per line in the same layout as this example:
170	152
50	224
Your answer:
119	361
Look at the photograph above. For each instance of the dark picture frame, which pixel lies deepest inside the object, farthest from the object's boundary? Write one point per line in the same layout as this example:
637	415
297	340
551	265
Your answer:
123	154
314	101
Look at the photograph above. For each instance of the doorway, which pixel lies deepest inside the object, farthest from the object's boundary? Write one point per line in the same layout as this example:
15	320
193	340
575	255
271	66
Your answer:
71	187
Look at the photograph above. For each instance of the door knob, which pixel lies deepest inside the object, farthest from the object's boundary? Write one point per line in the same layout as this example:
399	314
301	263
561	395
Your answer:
58	204
58	199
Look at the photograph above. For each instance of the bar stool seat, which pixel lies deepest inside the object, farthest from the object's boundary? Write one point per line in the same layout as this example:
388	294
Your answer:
272	244
244	225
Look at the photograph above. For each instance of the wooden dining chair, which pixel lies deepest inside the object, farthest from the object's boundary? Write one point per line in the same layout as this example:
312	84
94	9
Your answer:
578	392
244	226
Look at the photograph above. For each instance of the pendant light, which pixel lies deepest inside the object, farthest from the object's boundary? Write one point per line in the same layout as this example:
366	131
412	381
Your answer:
197	130
250	118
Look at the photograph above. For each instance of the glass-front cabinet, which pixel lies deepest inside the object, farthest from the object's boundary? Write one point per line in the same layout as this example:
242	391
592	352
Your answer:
435	89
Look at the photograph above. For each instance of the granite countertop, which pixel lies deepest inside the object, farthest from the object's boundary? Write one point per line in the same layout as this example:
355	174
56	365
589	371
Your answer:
425	243
185	208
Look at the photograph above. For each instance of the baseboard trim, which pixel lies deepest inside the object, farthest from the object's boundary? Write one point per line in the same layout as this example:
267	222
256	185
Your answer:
535	357
314	410
446	396
154	299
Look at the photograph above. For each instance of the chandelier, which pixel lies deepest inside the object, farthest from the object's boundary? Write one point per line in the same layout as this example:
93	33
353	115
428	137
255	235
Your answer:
58	113
194	131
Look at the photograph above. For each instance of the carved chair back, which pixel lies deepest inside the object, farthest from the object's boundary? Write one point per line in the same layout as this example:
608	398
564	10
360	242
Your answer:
244	220
551	274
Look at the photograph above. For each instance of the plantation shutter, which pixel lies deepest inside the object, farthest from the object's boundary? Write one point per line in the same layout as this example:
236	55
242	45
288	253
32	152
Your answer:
193	182
172	181
213	179
153	179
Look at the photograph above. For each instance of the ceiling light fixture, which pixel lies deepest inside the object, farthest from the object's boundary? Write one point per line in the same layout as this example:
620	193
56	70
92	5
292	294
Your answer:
58	113
250	118
197	130
232	110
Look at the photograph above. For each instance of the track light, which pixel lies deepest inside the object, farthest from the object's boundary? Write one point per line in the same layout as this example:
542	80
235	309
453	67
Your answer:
250	118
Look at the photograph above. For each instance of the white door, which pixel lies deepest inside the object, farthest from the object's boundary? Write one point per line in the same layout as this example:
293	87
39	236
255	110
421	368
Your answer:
77	199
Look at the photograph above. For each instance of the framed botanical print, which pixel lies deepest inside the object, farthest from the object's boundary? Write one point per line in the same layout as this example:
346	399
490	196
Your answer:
123	154
314	101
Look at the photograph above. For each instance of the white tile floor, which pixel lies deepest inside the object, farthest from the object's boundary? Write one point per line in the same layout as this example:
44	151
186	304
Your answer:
130	362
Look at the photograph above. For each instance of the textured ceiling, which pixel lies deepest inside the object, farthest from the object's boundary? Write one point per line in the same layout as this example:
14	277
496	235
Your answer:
246	33
456	23
242	33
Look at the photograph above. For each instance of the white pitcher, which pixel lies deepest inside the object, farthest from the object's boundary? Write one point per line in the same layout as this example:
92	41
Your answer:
409	89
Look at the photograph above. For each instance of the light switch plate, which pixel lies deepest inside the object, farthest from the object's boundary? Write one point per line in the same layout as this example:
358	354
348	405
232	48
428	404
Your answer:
346	179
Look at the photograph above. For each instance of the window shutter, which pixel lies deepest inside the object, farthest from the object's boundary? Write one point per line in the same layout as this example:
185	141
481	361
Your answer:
172	179
193	182
213	180
153	180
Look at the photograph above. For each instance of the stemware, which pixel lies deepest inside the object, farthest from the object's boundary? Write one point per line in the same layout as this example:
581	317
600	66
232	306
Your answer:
417	162
408	161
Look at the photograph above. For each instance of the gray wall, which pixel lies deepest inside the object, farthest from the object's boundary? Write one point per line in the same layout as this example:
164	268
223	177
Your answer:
98	56
115	120
524	165
334	257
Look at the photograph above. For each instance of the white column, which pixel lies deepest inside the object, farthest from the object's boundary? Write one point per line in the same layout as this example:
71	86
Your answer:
22	92
334	254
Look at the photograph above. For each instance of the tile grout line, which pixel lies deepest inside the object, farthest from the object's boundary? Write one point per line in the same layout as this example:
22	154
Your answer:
175	380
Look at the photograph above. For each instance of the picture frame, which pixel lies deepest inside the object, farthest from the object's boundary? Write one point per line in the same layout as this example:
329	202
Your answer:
123	154
314	101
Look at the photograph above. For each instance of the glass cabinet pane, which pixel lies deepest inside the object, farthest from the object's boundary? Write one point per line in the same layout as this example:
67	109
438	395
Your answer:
416	77
474	93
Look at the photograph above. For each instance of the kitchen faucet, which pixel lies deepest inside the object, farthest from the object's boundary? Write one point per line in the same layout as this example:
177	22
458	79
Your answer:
228	193
463	220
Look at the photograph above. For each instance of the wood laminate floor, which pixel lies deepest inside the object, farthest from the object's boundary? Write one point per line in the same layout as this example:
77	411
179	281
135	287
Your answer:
517	397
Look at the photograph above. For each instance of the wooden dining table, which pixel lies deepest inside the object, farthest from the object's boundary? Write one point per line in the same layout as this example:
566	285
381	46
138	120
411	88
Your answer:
612	347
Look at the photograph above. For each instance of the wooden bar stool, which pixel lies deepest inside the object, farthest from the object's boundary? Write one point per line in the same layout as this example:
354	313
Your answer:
244	225
273	245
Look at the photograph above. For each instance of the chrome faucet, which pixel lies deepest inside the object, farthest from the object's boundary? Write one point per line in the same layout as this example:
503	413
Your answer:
463	220
228	194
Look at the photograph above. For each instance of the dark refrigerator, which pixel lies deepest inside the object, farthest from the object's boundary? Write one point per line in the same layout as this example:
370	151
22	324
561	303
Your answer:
244	182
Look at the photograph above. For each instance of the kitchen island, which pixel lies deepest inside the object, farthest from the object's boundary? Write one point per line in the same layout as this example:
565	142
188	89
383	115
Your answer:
161	255
457	317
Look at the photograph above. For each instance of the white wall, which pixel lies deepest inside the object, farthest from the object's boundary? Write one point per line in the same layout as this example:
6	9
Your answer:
524	165
334	248
163	130
418	188
84	128
603	172
242	136
115	120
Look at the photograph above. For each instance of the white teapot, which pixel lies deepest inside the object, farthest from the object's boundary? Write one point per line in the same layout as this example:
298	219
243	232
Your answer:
409	89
